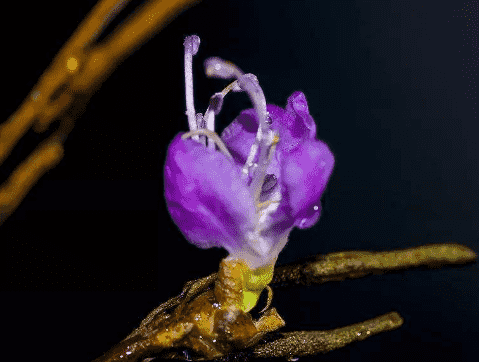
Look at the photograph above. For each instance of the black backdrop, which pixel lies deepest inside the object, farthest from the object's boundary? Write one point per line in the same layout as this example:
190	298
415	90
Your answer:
391	85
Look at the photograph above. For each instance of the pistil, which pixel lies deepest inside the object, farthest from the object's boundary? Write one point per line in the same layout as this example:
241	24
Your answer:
191	45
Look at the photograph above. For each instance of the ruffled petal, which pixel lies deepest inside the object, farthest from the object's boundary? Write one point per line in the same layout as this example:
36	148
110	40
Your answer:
304	125
294	125
301	159
305	174
206	196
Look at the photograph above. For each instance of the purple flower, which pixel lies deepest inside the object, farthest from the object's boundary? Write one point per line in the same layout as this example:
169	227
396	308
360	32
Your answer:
266	177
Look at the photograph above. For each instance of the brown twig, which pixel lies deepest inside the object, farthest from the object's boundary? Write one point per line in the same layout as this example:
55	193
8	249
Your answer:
304	343
356	264
335	266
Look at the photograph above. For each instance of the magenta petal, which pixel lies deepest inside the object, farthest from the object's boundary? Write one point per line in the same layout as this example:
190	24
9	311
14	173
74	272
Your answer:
305	174
296	124
304	126
211	203
206	196
306	164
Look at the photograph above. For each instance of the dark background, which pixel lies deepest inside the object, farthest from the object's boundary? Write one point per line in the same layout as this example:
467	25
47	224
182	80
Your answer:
391	85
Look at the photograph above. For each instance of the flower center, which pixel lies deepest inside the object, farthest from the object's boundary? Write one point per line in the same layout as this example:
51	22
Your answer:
263	187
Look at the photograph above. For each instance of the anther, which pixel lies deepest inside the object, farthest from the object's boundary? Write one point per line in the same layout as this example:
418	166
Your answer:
269	183
216	102
219	68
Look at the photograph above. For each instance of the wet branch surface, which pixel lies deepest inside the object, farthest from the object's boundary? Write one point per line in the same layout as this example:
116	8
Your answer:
142	344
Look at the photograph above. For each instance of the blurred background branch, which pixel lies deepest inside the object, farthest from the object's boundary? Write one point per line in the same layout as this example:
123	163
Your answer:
62	92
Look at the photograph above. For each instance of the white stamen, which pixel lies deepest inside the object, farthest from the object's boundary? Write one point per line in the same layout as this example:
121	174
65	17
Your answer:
219	68
265	140
235	87
251	85
191	45
252	153
210	125
200	123
216	103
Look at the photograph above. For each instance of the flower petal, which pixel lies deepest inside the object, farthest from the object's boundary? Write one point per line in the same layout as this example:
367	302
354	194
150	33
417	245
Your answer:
305	174
304	124
294	125
206	196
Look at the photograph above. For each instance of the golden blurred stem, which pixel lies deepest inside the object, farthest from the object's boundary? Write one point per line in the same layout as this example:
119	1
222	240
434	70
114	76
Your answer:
76	72
56	74
95	22
45	157
149	19
94	64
